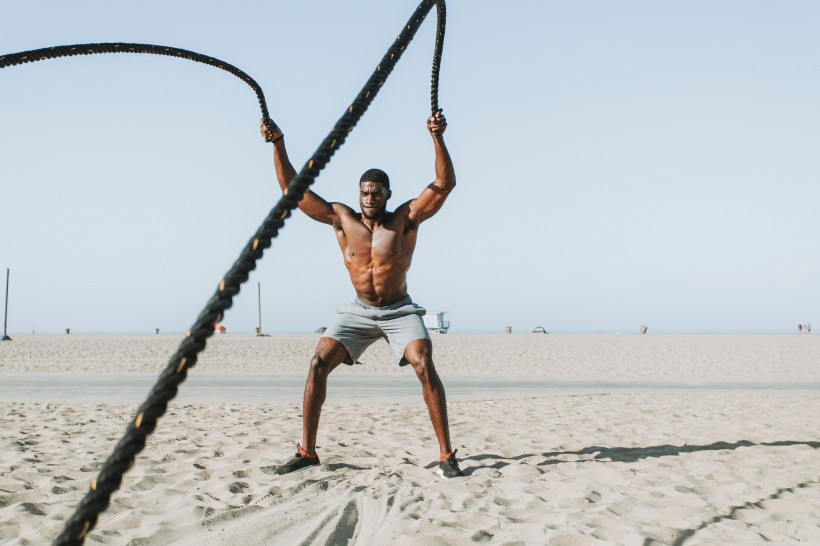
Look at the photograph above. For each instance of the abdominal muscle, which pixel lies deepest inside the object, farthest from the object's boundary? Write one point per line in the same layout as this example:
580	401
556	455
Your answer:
379	284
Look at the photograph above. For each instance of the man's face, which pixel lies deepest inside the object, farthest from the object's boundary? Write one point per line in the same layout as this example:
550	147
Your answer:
373	199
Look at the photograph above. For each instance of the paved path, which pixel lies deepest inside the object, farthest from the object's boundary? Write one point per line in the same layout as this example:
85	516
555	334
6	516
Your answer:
346	388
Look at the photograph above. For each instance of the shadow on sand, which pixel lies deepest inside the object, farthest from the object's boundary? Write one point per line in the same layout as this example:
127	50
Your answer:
632	454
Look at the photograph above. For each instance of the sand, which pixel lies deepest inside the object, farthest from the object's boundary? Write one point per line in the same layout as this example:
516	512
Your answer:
634	466
728	357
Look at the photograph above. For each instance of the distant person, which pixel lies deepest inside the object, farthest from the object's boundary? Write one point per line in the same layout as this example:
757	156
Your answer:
377	246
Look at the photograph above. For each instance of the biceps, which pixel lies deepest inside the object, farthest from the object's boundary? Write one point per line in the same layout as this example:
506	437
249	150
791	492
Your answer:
428	203
317	208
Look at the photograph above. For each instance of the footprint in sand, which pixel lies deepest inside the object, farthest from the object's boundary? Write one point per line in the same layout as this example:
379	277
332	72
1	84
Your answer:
238	487
146	484
35	509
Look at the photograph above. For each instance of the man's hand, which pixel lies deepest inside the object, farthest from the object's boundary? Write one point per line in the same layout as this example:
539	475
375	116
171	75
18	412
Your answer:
436	124
271	134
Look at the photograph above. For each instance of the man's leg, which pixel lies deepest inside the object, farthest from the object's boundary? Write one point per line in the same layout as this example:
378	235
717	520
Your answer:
419	354
329	354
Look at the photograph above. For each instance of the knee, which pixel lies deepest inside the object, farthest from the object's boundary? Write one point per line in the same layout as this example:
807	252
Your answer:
319	366
425	370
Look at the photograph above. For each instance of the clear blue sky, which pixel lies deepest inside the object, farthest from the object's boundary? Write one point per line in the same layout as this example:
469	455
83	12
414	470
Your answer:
619	163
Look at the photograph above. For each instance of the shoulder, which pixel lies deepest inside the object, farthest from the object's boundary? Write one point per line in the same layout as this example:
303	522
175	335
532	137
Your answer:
342	210
402	215
403	210
343	215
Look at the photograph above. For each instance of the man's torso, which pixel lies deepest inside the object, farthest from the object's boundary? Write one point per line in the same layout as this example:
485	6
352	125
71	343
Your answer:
377	260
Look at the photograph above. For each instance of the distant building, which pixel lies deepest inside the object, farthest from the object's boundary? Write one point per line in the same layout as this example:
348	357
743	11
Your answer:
435	322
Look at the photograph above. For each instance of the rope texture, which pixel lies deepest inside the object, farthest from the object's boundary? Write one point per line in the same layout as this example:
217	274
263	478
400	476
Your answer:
132	443
46	53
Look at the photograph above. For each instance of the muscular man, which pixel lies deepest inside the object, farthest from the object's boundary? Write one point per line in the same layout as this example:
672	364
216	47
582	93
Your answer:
377	246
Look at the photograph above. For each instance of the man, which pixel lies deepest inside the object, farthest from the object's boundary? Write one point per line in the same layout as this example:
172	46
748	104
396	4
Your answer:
377	246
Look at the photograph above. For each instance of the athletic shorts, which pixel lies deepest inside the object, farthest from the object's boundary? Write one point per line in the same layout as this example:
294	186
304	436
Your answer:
359	325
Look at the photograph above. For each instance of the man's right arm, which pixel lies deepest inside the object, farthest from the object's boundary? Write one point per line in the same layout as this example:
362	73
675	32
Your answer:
311	204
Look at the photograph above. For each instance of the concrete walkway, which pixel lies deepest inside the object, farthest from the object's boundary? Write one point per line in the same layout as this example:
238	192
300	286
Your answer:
348	388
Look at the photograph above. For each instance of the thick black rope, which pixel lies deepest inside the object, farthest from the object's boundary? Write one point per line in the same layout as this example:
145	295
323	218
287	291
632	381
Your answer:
143	424
45	53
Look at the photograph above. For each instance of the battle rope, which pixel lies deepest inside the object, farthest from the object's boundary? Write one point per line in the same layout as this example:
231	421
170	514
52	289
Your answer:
91	49
133	442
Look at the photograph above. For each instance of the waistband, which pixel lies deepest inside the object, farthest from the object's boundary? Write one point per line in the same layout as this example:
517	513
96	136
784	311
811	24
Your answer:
401	303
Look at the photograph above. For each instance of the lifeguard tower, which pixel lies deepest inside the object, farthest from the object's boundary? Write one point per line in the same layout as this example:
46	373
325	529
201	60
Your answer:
435	322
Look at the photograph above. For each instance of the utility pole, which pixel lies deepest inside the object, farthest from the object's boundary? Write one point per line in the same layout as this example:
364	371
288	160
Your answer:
6	314
259	307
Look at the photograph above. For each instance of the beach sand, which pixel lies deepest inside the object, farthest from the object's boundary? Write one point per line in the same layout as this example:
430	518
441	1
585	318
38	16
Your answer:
618	467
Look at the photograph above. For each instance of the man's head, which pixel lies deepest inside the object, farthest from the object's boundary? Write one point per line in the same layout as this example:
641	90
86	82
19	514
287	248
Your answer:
376	175
374	191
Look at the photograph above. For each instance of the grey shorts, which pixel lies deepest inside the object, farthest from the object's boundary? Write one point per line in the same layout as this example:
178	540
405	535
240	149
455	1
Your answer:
360	324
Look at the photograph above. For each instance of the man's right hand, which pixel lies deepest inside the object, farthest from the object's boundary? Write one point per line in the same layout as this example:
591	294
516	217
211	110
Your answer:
270	134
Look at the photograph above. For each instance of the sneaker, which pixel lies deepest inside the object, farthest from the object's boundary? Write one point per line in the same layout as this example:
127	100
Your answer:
301	461
448	466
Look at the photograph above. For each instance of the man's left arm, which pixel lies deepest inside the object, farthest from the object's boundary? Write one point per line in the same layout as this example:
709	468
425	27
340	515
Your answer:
432	198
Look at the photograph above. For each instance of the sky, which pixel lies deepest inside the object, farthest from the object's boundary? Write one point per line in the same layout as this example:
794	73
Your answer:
619	164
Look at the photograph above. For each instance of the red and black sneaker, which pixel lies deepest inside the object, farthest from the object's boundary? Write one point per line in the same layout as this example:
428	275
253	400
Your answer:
301	461
448	466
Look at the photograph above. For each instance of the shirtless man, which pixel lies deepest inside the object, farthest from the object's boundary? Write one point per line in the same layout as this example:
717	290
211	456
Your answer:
377	246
